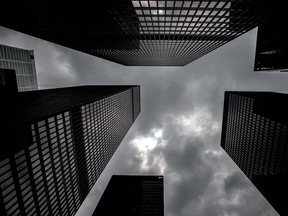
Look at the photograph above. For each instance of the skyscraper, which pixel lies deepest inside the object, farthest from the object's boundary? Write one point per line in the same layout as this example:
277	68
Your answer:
132	195
272	45
140	32
55	144
255	136
22	61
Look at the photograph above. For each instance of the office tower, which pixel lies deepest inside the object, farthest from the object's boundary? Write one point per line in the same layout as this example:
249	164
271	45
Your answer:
138	32
272	45
22	61
55	144
254	135
132	195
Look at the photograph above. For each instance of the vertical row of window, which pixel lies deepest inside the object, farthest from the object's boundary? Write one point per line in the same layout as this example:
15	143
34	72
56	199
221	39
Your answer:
8	192
42	178
58	164
26	83
136	101
105	123
254	142
14	54
233	128
152	195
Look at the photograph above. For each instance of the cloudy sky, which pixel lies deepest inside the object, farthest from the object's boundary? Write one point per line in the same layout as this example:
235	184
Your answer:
177	133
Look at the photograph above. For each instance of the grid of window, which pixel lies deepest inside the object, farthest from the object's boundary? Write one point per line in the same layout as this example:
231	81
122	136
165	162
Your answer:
136	102
143	32
63	154
178	32
257	144
8	194
105	123
132	195
22	61
42	179
180	17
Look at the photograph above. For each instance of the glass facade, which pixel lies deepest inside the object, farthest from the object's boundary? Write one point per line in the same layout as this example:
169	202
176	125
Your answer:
132	195
255	136
100	139
22	61
179	32
141	32
256	143
271	47
53	170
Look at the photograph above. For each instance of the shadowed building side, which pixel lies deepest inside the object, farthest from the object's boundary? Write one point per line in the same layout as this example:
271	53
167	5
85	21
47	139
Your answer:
132	195
255	136
55	144
139	32
272	45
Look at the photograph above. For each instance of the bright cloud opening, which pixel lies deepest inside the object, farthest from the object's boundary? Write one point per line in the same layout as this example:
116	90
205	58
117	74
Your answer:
198	123
145	145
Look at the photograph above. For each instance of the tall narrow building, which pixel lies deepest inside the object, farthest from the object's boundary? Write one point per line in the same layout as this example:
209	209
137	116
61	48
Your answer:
140	32
132	195
255	136
22	61
55	144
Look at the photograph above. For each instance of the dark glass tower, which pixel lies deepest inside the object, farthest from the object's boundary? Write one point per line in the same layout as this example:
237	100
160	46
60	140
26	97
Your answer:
272	45
55	144
255	136
130	195
139	32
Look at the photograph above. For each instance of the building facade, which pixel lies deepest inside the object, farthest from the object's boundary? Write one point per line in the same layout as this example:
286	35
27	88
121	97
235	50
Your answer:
132	195
8	82
255	136
272	45
140	32
57	144
22	61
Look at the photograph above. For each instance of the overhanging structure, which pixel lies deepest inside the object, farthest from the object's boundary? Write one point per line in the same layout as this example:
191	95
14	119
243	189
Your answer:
138	32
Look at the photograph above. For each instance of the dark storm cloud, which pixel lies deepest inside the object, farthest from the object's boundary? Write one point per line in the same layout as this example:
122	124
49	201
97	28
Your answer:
235	181
200	179
190	175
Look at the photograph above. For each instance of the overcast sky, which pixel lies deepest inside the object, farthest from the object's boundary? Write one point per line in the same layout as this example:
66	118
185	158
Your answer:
177	133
